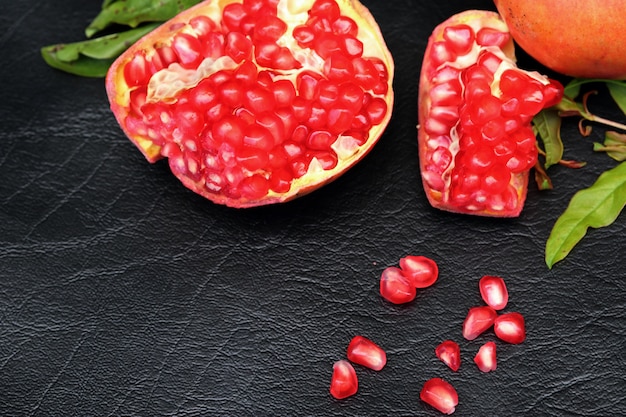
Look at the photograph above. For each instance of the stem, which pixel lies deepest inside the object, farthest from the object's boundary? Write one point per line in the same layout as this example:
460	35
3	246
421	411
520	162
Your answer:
606	122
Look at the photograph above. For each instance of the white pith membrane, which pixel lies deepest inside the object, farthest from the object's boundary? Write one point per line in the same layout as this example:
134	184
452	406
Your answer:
167	84
435	180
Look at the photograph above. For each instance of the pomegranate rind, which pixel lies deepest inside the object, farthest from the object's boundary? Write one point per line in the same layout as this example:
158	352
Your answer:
437	198
374	45
582	38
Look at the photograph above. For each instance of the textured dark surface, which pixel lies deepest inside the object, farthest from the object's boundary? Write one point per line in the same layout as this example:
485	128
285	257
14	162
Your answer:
121	293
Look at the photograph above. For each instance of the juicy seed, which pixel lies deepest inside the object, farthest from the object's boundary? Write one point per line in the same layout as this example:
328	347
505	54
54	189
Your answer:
395	287
478	320
363	351
494	292
421	271
485	358
440	394
344	382
449	353
510	328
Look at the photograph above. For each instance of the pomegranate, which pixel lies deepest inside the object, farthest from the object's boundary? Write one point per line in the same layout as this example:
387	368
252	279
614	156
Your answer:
493	291
421	271
476	145
478	320
580	38
510	327
395	287
256	102
363	351
449	352
343	382
485	358
440	394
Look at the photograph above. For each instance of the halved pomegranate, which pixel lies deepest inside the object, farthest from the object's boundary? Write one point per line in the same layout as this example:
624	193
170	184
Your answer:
476	145
256	101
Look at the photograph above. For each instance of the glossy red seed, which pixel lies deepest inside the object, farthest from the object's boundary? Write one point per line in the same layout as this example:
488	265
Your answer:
344	382
395	287
269	27
326	8
440	394
493	291
485	358
492	37
188	49
449	352
136	71
320	140
477	321
232	14
254	187
237	46
365	352
510	327
421	271
460	38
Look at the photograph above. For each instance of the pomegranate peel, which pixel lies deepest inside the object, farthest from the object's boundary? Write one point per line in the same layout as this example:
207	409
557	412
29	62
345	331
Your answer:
207	90
476	145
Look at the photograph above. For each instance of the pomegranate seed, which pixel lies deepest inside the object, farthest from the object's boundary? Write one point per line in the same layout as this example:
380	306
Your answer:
460	38
510	328
395	287
344	382
485	358
188	49
449	353
478	320
364	352
440	395
421	271
493	290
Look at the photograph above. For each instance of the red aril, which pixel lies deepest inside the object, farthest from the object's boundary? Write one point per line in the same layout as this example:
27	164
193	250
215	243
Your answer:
440	394
449	353
256	102
395	287
364	352
420	270
493	291
344	382
476	146
485	358
510	327
478	320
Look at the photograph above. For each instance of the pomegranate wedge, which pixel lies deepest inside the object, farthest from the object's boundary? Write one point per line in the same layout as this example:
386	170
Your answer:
256	102
476	145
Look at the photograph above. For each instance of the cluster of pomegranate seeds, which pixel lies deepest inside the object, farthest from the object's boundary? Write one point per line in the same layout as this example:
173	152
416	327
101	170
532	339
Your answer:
440	394
244	103
361	351
399	285
476	121
509	327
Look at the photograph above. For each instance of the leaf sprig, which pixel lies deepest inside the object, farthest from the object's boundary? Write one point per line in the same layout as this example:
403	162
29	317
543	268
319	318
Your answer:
600	204
134	19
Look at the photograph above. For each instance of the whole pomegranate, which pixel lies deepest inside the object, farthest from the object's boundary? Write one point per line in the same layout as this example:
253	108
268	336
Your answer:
256	101
579	38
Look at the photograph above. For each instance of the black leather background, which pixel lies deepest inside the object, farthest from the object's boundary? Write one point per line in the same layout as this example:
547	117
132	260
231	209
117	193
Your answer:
122	293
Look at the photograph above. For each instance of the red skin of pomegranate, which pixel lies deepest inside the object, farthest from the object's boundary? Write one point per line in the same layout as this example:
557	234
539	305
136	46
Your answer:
580	38
261	141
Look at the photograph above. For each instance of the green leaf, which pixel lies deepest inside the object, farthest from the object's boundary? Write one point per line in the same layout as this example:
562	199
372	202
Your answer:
134	12
548	125
617	89
614	145
93	57
597	206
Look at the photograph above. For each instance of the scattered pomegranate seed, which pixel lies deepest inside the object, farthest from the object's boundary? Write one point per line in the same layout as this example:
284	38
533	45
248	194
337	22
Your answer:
440	395
485	358
510	327
364	352
395	287
344	382
420	270
478	320
493	291
449	353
